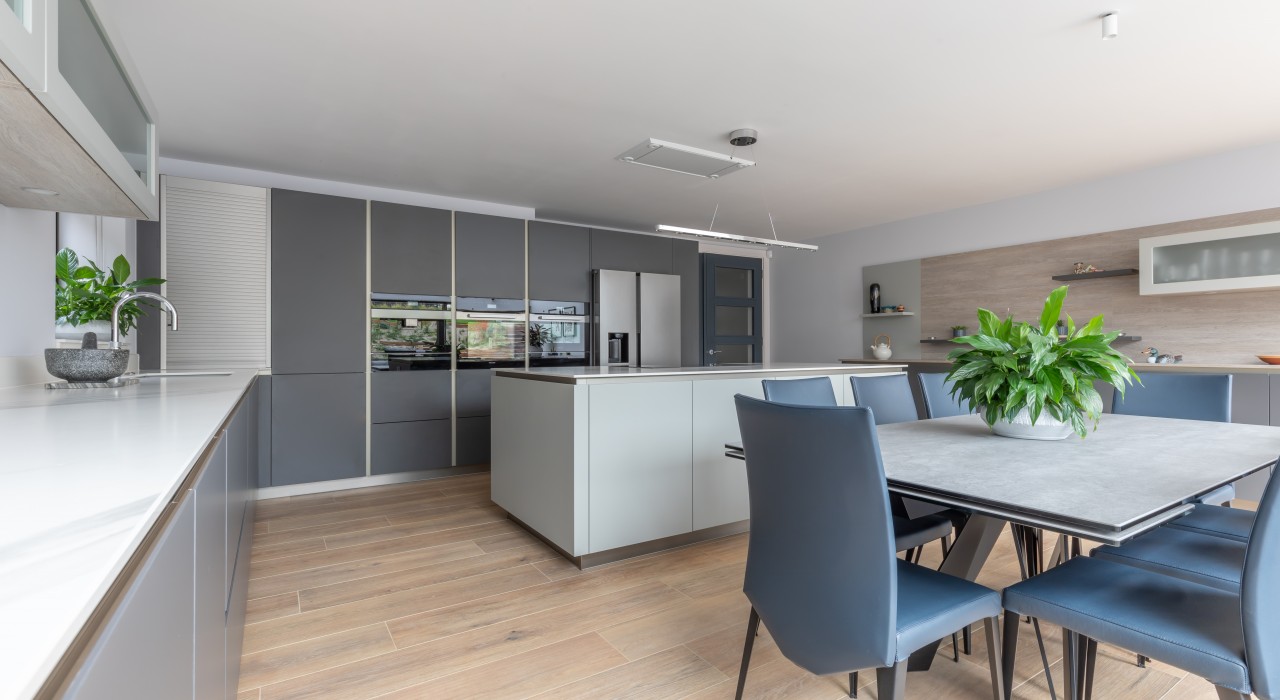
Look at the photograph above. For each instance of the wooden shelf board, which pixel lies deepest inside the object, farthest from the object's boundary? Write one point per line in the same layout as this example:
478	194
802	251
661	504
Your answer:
1125	272
890	313
1121	339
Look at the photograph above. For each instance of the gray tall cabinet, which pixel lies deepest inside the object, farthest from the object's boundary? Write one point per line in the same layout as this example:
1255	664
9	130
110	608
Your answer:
319	309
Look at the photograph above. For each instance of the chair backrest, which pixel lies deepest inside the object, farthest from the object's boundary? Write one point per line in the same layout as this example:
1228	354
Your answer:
938	401
888	397
1259	602
812	391
1190	396
820	562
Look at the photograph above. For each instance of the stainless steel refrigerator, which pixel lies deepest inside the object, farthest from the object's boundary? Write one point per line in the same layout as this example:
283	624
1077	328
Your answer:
637	319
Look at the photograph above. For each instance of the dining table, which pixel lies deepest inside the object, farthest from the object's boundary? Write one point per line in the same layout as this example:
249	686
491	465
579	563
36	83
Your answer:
1127	477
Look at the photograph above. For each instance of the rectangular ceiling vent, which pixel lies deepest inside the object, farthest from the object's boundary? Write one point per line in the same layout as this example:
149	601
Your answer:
665	155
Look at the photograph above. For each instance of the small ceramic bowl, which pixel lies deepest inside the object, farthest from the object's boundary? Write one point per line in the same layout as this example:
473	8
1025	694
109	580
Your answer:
1270	359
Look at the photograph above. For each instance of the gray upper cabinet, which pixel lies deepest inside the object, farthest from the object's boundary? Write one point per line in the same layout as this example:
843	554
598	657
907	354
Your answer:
686	263
489	256
319	305
317	428
559	262
411	249
633	252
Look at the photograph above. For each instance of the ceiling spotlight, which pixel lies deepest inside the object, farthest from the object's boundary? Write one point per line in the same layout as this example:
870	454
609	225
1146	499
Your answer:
40	191
743	137
1110	25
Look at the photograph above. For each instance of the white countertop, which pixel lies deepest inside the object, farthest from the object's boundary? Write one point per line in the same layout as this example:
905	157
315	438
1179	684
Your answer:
84	475
1189	367
574	375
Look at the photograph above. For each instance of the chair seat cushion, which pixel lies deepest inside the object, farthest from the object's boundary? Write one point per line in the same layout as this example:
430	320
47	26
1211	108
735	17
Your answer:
932	605
1218	521
1219	496
1212	561
909	533
1194	627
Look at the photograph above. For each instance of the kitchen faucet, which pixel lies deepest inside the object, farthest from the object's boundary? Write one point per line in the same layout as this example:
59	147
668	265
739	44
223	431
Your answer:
130	296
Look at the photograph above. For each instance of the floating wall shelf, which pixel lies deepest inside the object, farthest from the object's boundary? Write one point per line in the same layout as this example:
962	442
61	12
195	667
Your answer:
1121	339
1126	272
889	313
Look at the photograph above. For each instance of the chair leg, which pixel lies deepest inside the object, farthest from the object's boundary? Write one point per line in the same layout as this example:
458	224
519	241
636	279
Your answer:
1009	650
1044	658
1229	694
891	683
991	628
1070	665
853	684
955	648
1142	661
1090	665
946	546
753	626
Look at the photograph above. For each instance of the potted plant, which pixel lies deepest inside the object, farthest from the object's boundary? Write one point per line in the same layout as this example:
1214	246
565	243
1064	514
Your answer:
539	335
85	295
1028	383
959	331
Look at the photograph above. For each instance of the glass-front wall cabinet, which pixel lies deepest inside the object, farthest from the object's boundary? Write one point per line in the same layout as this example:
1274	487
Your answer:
22	10
1220	260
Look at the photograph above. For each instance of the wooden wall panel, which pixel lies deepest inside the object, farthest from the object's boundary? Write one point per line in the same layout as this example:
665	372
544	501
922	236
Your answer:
1229	328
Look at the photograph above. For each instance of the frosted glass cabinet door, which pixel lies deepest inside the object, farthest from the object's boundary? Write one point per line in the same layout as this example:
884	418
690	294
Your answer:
1238	258
22	40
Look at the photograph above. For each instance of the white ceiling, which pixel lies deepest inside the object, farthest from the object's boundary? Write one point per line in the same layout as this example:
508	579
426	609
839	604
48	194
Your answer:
868	111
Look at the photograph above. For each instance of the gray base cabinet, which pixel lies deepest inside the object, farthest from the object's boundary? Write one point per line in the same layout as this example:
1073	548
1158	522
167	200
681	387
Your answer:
178	629
317	427
411	446
407	396
473	441
147	647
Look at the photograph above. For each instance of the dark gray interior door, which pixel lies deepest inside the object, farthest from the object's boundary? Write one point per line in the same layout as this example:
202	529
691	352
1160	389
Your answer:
731	310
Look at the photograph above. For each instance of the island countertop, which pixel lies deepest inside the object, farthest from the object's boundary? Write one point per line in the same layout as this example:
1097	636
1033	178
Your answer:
86	473
1188	367
577	375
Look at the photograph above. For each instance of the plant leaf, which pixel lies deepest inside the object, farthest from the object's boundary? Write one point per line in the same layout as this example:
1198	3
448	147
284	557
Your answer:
1052	311
120	269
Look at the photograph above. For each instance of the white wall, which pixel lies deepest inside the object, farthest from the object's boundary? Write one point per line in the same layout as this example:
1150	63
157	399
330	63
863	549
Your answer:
26	284
817	297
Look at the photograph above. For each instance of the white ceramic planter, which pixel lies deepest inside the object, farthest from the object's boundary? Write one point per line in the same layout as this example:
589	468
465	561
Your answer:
1046	428
66	331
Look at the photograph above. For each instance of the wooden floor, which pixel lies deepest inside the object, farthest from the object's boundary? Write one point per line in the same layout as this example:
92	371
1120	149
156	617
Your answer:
425	590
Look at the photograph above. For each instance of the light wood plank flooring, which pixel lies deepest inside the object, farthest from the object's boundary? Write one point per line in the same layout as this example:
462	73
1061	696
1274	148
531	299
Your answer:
425	590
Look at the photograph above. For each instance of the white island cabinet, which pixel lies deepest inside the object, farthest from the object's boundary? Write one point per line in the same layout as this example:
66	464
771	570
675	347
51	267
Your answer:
606	463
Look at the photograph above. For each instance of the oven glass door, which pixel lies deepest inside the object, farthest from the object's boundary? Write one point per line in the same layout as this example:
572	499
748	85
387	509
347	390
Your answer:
410	333
559	334
490	340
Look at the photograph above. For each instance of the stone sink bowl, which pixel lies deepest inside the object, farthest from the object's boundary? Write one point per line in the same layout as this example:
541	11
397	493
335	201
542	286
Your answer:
86	365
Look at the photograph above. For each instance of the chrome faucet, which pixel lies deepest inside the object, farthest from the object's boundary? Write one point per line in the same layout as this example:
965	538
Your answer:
130	296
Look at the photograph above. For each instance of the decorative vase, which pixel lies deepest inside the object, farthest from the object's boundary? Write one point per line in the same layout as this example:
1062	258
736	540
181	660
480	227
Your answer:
1046	428
875	298
66	331
958	332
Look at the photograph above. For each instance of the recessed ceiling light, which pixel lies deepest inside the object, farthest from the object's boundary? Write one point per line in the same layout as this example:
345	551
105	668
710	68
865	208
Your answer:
40	191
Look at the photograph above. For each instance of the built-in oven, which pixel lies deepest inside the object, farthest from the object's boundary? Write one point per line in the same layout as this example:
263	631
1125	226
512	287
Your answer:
559	334
490	333
408	332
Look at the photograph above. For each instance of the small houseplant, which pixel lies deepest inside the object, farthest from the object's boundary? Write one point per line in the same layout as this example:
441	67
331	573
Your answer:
1027	382
958	331
539	335
87	293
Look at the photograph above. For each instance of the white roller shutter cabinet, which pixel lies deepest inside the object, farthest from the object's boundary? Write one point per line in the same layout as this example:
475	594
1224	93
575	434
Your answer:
215	256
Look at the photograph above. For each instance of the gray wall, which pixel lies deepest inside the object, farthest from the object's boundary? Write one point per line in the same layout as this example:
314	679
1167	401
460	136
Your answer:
817	297
151	325
27	247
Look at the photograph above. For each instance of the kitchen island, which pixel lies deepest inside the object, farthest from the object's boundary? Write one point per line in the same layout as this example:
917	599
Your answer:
605	463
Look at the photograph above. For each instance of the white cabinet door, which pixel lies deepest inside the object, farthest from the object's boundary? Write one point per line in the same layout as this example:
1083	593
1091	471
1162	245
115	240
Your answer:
641	453
719	483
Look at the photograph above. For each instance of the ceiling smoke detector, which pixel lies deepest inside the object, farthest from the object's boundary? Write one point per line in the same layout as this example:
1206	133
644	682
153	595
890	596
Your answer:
688	160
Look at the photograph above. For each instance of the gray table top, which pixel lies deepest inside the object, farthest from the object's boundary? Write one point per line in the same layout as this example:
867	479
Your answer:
1129	470
1128	476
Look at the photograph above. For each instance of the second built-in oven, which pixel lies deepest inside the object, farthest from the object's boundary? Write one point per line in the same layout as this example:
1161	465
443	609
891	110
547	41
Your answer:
490	333
559	334
410	332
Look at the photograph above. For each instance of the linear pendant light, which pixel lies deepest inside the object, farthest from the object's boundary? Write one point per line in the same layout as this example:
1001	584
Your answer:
707	233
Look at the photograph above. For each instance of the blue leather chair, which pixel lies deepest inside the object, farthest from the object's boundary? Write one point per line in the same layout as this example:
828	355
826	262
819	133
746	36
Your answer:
938	401
821	570
888	397
1220	521
1230	638
1186	396
811	391
1204	559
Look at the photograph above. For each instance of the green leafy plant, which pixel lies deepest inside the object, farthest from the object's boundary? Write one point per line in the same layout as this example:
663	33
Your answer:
88	293
1009	366
959	328
540	335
